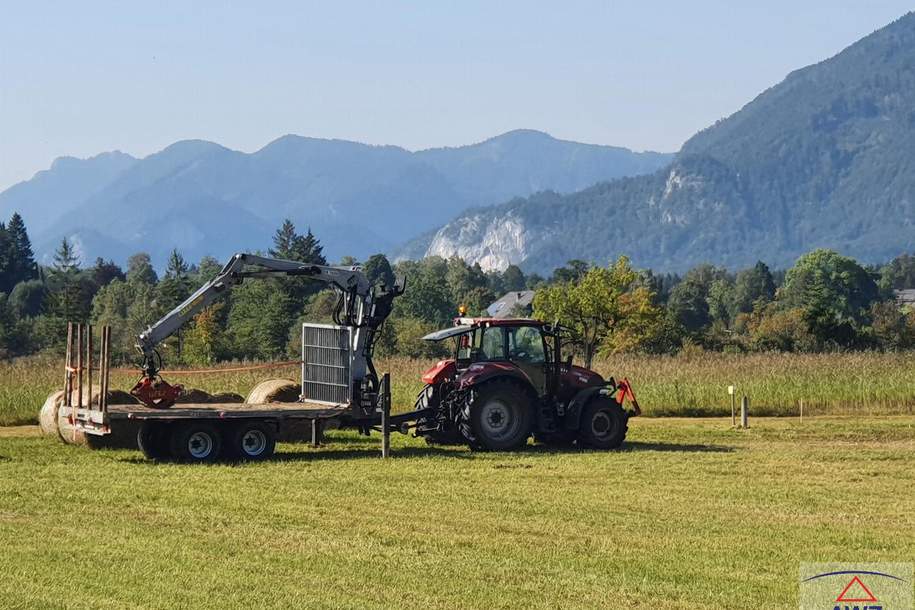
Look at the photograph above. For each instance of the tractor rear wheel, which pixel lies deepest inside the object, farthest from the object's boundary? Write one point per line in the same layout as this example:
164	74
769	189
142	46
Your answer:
498	417
603	424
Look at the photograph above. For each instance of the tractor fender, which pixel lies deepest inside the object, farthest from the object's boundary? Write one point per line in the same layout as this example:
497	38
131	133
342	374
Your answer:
572	418
487	371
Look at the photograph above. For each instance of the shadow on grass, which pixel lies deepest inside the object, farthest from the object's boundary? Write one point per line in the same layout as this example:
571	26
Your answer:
361	453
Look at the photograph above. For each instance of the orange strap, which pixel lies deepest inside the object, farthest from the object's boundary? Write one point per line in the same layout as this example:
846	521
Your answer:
235	369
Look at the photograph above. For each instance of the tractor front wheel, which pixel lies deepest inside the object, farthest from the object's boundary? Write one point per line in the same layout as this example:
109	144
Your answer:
603	425
498	417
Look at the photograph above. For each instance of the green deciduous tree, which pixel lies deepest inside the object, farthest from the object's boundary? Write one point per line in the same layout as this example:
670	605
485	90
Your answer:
834	292
752	286
600	309
378	270
140	269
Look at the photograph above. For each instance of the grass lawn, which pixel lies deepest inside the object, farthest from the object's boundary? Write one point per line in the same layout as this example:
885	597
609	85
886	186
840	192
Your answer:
690	514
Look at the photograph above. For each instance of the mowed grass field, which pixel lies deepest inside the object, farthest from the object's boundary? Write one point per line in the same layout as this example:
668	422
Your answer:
777	384
690	514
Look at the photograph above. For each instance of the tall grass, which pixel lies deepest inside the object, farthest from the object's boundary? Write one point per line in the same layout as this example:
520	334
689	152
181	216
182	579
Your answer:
692	384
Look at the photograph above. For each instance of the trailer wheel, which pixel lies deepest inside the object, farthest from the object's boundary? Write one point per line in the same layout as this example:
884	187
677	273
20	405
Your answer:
498	417
195	442
153	441
251	441
603	425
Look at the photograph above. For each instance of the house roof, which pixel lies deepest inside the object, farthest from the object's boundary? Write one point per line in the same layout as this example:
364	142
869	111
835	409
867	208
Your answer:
505	305
905	297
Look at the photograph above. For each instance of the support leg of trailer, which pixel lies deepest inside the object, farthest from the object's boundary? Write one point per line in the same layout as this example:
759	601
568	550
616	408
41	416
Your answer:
317	432
385	416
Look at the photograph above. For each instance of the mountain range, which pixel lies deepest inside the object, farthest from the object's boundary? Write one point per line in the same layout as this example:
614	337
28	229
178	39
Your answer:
823	159
205	199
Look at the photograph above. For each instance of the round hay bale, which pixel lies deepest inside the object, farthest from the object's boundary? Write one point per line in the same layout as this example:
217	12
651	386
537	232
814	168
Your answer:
120	397
47	416
66	431
274	390
228	397
123	433
193	395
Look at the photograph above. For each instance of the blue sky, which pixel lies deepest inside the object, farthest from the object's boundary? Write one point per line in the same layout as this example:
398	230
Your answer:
78	78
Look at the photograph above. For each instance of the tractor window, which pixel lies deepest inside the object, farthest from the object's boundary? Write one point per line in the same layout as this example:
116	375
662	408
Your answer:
492	346
525	344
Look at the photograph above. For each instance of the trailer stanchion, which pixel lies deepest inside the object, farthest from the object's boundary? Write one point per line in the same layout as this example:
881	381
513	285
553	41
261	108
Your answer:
385	416
68	369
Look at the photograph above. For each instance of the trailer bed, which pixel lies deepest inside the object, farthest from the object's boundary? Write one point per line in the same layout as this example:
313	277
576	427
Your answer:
273	410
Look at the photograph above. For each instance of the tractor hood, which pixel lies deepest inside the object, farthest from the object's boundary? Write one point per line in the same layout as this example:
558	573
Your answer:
579	376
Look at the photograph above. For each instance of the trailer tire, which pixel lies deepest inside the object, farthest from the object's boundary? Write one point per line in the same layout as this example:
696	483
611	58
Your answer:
153	441
498	416
251	441
195	442
603	424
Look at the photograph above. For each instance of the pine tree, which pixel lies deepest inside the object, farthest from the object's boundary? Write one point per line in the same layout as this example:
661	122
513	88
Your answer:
284	241
175	287
22	259
309	250
5	260
68	299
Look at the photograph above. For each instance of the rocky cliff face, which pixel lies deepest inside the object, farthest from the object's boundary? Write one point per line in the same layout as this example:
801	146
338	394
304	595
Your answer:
493	242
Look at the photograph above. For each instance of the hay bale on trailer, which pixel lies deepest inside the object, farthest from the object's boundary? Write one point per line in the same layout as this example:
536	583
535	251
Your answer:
194	395
231	397
281	390
274	390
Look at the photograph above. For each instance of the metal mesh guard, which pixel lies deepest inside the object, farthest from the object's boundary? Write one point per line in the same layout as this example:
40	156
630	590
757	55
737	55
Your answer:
326	373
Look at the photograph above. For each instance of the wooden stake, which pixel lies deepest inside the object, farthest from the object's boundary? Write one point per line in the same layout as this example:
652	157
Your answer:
79	366
68	373
745	413
89	364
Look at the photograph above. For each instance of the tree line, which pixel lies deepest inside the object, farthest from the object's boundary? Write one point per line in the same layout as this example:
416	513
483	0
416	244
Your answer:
824	302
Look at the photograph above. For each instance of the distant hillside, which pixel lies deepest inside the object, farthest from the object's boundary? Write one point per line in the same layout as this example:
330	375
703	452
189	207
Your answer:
206	199
824	158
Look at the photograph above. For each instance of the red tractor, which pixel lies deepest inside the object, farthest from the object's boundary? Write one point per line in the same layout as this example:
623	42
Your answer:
506	381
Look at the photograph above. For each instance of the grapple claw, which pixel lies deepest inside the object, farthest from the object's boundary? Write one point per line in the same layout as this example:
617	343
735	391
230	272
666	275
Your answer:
155	392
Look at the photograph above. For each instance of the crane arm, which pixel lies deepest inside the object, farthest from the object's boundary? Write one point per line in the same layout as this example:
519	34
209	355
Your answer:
350	281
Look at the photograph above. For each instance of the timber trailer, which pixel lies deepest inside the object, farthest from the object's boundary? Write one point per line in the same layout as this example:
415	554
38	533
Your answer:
339	384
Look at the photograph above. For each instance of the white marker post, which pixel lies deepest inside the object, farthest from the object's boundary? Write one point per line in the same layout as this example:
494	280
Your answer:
733	406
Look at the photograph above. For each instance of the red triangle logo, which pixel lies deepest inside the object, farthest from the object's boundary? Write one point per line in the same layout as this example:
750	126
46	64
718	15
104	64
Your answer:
859	592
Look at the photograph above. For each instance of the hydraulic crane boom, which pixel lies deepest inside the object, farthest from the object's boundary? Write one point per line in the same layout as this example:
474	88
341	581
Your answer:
361	306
